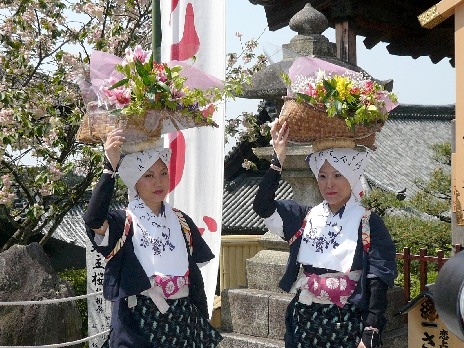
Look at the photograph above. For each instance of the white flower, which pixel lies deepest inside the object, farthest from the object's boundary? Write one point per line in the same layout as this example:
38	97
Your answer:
321	75
343	283
332	283
180	282
344	299
170	287
324	296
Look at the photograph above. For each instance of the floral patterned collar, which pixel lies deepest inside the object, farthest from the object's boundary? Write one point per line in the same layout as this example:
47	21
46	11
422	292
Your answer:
329	240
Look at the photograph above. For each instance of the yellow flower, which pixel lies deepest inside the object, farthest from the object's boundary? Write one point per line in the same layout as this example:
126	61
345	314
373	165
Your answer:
343	87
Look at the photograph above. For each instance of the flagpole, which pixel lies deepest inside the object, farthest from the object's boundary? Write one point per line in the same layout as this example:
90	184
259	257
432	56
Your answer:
156	30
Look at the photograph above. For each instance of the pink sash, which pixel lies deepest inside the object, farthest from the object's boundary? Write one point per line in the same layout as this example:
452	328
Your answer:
172	284
336	289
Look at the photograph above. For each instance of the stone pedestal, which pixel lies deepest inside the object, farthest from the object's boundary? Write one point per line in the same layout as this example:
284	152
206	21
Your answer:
254	317
297	173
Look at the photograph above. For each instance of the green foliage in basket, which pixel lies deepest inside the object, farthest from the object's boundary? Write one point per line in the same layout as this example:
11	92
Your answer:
352	96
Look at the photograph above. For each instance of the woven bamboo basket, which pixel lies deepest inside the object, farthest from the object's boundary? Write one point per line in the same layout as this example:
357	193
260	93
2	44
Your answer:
309	124
141	132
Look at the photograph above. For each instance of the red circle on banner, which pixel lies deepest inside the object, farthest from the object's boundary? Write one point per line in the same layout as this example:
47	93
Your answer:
177	162
210	223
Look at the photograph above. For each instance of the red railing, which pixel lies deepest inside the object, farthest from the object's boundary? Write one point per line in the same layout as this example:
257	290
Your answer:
423	260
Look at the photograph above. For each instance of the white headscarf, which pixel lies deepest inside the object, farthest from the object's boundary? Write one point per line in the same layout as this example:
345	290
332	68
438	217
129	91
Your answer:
134	165
350	163
329	240
157	239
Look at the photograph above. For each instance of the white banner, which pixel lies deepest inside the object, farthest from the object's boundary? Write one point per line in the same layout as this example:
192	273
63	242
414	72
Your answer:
98	309
197	28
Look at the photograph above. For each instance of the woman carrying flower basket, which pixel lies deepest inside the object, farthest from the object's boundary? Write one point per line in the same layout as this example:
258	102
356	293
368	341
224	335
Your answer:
346	252
153	254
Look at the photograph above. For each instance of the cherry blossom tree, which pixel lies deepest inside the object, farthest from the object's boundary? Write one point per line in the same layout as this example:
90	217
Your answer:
44	47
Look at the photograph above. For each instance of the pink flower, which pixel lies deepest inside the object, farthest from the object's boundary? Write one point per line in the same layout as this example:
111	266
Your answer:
160	70
368	87
119	96
137	55
176	93
355	91
311	91
6	181
208	111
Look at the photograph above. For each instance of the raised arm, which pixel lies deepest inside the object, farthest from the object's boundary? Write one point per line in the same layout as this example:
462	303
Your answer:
264	204
97	211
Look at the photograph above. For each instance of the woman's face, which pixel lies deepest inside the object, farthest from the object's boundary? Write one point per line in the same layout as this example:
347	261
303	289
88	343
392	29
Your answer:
153	186
334	187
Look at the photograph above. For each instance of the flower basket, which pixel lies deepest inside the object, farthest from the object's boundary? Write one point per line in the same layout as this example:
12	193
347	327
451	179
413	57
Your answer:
145	98
309	124
141	132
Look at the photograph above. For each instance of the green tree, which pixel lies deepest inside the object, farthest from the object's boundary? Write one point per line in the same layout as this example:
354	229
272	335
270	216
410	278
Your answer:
434	197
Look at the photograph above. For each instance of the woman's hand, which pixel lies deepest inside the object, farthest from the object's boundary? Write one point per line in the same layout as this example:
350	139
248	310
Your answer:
279	140
113	143
361	345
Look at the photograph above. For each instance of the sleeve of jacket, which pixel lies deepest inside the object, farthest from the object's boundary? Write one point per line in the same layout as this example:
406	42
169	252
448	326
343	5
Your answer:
264	203
99	203
201	253
102	194
98	211
382	272
382	253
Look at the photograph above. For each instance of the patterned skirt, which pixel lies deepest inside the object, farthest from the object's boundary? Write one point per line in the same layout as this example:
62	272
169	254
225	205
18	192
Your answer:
181	326
322	326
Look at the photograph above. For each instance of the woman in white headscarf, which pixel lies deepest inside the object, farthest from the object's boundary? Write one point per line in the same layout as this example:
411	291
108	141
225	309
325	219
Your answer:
153	253
346	252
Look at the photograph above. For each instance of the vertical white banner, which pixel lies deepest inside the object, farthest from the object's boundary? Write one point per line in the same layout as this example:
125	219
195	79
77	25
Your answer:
98	309
197	28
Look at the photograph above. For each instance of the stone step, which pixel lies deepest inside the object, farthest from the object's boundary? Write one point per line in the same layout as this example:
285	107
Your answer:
235	340
254	312
261	314
392	339
265	269
396	338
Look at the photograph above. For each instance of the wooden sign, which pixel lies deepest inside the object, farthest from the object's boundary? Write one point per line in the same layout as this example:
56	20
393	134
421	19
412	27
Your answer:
426	329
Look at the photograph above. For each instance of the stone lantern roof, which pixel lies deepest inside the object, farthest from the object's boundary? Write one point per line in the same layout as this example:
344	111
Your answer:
309	24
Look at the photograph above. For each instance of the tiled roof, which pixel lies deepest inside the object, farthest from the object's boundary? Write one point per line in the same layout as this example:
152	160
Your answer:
72	229
392	22
237	212
404	153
